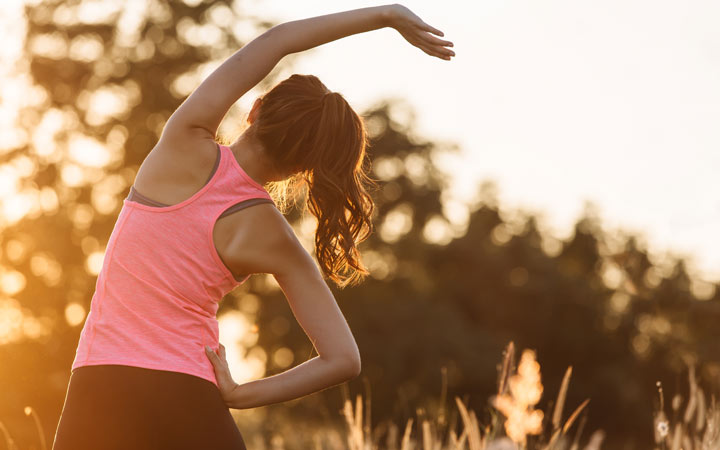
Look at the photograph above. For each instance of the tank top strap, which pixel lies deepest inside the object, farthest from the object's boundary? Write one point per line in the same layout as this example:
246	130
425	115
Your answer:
237	181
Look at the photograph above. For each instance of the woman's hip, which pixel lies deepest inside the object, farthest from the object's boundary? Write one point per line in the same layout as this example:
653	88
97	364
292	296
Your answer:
114	406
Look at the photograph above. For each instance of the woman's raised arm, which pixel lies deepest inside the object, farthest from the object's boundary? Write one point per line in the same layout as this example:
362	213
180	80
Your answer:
205	108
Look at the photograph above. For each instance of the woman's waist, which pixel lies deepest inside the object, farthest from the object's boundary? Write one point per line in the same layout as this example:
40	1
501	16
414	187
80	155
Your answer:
144	368
126	373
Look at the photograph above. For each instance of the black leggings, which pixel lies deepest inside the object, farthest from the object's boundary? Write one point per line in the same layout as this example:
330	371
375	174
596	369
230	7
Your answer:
113	407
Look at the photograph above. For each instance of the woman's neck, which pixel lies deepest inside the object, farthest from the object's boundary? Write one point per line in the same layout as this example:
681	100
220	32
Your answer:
251	157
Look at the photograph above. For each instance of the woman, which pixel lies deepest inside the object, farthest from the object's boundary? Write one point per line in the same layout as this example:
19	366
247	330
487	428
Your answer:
149	372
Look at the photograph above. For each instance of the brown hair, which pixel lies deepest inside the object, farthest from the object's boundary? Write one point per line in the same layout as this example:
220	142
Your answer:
314	134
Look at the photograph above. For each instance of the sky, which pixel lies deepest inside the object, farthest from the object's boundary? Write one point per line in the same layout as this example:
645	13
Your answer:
559	102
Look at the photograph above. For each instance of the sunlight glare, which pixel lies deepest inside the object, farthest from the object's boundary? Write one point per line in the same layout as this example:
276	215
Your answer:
97	11
702	289
416	169
12	138
74	314
11	318
48	199
43	138
72	175
283	357
380	264
221	15
24	167
88	151
611	275
86	48
249	303
36	327
184	84
388	168
116	138
619	301
49	45
94	262
104	196
437	231
234	329
8	181
12	282
501	234
397	223
16	206
131	22
15	250
81	215
39	264
52	272
107	102
551	246
194	34
457	213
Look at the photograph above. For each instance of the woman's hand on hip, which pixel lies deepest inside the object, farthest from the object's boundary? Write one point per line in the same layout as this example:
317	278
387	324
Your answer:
419	33
225	382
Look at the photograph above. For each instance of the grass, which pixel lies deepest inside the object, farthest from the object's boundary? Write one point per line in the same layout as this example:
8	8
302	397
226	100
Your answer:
694	427
515	424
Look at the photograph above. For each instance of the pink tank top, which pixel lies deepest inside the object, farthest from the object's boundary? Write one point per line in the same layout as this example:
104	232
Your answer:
157	293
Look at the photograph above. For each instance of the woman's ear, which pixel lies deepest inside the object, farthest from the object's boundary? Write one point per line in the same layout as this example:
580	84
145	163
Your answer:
254	110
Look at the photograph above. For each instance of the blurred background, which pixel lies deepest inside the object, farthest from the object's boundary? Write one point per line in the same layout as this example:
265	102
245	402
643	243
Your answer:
554	185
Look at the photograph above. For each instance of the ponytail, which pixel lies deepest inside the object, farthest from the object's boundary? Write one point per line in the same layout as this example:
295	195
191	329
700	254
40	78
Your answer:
307	128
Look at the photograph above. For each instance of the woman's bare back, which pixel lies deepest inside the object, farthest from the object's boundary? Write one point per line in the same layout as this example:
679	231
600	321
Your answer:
172	173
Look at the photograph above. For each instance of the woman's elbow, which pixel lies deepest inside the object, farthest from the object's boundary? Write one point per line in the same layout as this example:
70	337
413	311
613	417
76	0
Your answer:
353	361
353	368
348	367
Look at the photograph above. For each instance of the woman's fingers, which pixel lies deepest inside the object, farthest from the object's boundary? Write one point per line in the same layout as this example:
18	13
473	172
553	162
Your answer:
210	353
431	29
432	51
427	50
432	40
214	357
438	45
440	51
420	34
433	45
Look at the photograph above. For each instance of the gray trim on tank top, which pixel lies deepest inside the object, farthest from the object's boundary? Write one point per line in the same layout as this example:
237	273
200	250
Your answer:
135	196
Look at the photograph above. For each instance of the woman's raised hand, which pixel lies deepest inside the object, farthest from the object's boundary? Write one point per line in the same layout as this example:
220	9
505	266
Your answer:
419	33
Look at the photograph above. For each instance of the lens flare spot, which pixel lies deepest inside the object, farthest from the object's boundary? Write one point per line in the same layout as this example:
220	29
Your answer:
12	282
74	314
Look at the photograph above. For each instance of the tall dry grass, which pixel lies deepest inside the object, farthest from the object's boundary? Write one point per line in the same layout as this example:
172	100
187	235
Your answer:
516	422
694	427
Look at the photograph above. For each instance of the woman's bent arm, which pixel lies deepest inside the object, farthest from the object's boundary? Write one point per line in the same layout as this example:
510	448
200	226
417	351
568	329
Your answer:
269	245
311	376
205	108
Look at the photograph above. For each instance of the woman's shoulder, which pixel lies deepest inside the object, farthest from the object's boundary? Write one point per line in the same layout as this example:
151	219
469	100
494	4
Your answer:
175	169
192	148
264	241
